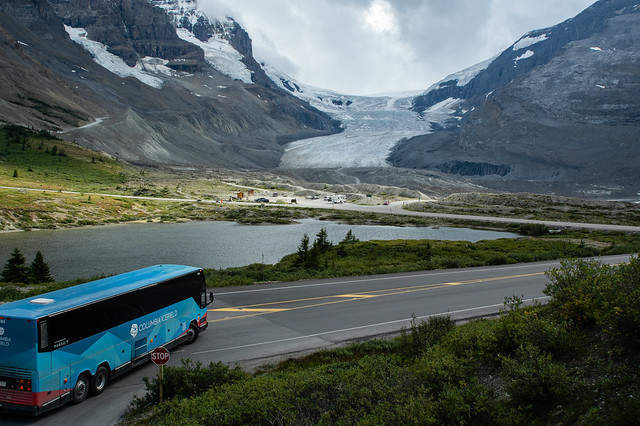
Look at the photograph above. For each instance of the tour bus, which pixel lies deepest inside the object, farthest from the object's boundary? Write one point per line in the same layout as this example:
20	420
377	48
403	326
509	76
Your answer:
67	344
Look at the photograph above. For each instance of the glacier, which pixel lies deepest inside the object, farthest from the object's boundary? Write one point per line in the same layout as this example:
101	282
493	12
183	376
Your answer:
372	126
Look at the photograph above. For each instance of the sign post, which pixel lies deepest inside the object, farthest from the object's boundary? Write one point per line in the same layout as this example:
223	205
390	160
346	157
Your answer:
160	356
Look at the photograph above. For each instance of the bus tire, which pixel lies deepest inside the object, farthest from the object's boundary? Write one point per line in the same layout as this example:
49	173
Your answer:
81	390
192	333
99	380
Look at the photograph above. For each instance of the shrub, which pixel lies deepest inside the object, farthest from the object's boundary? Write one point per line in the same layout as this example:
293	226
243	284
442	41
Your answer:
577	289
189	379
415	341
533	229
535	381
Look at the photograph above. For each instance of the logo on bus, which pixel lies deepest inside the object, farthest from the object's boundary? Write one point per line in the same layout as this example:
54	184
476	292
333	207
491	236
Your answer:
139	328
1	331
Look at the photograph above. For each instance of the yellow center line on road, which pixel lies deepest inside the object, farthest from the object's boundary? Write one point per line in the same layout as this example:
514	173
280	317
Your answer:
296	304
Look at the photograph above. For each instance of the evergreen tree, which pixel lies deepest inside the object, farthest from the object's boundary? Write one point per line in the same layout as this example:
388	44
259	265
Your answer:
312	261
322	242
349	238
15	270
303	251
40	272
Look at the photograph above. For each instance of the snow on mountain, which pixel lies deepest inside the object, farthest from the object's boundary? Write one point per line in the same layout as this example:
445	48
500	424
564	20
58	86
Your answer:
217	49
142	71
462	78
527	41
219	53
525	55
373	125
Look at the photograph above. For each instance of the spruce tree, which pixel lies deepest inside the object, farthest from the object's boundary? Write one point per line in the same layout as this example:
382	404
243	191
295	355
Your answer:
322	241
40	272
303	251
15	270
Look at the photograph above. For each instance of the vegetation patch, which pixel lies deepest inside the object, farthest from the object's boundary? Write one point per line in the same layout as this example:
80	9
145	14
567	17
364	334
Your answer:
536	207
574	360
321	258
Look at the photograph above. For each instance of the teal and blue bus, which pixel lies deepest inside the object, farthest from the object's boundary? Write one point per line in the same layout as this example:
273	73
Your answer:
64	345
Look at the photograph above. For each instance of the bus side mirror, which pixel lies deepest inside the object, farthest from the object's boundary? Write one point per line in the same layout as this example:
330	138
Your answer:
210	297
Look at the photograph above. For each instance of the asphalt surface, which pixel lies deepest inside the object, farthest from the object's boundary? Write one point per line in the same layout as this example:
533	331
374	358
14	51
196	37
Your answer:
269	323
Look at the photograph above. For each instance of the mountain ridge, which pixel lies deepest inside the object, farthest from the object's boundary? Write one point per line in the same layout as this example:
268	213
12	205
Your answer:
570	124
196	116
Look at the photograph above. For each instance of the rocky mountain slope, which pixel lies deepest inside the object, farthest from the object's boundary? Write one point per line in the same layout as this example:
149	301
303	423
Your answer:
133	85
559	111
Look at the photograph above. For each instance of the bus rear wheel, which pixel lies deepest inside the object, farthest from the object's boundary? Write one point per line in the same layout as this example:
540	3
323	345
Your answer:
192	334
81	390
99	380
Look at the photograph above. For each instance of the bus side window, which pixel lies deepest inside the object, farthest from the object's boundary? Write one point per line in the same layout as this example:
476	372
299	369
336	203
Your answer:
43	331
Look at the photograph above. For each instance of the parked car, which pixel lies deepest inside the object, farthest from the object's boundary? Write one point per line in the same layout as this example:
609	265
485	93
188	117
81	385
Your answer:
386	203
261	200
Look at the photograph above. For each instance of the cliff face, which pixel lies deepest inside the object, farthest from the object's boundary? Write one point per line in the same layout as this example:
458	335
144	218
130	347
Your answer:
132	30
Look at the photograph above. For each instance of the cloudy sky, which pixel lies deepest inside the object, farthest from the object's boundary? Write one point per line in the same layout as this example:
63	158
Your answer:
377	46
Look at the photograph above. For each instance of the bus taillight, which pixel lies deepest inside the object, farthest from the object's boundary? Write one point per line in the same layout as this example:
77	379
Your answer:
202	320
24	385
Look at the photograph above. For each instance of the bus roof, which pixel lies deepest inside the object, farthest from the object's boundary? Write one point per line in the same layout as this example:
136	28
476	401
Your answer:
66	298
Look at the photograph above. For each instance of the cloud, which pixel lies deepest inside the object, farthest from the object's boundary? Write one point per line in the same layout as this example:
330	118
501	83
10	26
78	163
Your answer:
380	18
373	46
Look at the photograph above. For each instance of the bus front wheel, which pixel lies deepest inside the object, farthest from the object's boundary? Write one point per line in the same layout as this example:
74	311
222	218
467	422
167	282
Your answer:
99	380
192	333
81	390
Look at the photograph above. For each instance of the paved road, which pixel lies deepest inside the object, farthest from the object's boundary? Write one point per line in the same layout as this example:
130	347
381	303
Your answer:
249	325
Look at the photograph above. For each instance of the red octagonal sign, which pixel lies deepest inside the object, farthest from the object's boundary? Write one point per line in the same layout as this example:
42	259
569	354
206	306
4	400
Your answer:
160	356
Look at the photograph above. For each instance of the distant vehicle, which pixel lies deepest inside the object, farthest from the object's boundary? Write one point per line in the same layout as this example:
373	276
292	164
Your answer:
261	200
386	203
67	344
312	197
336	199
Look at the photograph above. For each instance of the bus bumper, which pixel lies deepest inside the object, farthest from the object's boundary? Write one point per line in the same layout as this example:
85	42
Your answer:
22	410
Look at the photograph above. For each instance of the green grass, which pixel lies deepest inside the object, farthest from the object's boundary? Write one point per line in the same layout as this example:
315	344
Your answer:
572	361
41	160
380	257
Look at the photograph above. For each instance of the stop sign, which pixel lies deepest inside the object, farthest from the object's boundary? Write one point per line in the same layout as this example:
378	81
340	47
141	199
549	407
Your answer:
160	356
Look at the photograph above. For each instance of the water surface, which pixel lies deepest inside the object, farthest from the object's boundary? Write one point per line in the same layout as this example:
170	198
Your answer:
105	250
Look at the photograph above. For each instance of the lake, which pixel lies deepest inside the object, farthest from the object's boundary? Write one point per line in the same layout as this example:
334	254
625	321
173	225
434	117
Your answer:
110	249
